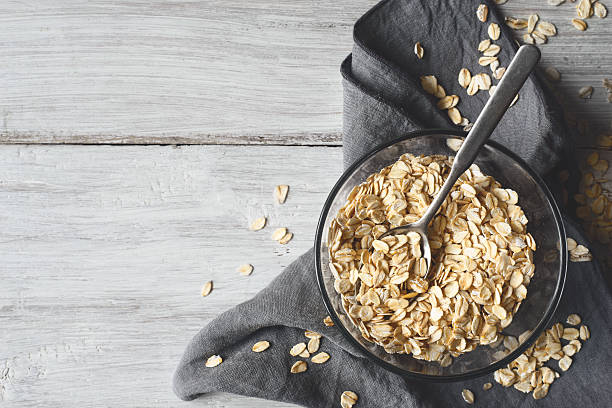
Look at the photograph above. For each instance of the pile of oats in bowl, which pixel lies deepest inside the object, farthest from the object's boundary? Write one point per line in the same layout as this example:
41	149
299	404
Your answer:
482	259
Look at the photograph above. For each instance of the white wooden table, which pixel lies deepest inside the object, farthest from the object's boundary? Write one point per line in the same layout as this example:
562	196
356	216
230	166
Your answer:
139	140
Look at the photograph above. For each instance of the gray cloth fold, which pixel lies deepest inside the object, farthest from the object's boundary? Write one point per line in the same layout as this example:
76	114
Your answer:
383	100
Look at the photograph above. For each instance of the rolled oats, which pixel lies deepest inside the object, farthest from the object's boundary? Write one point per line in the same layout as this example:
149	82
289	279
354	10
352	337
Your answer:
280	192
429	84
531	22
482	12
585	333
299	367
258	224
468	396
320	358
565	363
585	92
284	240
418	50
381	280
279	233
260	346
494	31
464	77
213	361
583	9
516	23
546	28
573	319
207	288
579	24
348	399
245	269
313	344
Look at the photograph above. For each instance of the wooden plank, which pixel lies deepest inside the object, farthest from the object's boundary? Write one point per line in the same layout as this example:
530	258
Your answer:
105	249
179	71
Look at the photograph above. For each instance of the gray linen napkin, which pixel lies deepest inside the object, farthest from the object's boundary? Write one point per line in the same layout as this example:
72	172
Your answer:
383	100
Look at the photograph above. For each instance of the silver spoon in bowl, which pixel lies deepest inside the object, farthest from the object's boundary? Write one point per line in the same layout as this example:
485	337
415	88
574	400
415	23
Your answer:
515	76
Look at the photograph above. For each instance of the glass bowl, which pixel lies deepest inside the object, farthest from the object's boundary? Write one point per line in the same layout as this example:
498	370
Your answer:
545	224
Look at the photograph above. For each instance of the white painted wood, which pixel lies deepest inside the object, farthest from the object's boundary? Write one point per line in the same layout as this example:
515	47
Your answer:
235	71
105	248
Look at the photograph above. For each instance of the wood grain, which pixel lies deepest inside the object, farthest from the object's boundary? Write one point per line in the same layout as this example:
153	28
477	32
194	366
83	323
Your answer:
204	72
105	249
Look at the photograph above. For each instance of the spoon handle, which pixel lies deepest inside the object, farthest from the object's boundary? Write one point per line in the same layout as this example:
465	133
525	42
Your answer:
515	76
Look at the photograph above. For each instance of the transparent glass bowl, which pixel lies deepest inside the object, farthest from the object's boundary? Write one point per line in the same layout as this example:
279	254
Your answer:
545	225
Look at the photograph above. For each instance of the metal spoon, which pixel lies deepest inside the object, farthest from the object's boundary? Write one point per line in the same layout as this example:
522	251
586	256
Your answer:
521	66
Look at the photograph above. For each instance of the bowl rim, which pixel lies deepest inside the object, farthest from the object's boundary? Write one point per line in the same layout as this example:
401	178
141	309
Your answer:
552	305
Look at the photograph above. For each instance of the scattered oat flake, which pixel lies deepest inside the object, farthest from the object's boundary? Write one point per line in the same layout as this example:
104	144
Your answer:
585	92
447	102
583	9
328	321
538	37
258	224
440	92
429	84
260	346
546	28
540	391
288	236
531	22
418	50
304	354
320	358
482	12
484	44
565	363
555	2
573	319
245	269
279	233
464	77
516	23
454	115
313	344
585	333
207	288
579	24
468	396
528	39
600	10
499	73
592	158
492	50
348	399
487	386
297	349
299	367
516	98
312	334
494	31
280	192
213	361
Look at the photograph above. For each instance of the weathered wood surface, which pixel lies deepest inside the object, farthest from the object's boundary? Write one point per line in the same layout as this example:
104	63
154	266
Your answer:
116	71
105	249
